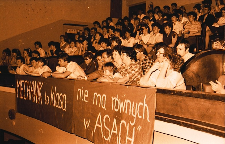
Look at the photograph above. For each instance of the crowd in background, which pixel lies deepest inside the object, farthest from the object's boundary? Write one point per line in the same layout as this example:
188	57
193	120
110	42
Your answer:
147	49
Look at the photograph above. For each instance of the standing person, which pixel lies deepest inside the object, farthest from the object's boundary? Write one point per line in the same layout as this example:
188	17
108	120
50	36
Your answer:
165	72
66	69
197	9
39	48
63	43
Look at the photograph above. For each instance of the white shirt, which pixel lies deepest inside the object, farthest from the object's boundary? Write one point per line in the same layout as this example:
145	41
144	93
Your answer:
128	43
177	27
155	38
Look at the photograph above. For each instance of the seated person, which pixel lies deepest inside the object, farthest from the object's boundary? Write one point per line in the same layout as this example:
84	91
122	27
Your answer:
155	36
99	72
35	53
128	41
66	69
6	56
165	71
109	73
71	49
21	66
39	48
183	49
218	44
219	86
42	68
131	70
142	58
169	36
34	64
88	65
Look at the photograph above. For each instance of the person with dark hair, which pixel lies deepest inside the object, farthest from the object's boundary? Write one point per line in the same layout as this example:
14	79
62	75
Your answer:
155	36
127	25
14	55
159	17
166	9
97	26
129	41
142	58
192	28
118	33
173	7
109	73
63	43
183	49
40	68
111	31
165	72
21	66
131	71
207	21
183	9
27	55
110	22
67	69
177	26
35	53
88	65
156	9
104	44
197	9
147	21
169	36
144	37
6	57
182	19
140	14
117	60
115	41
151	16
105	23
96	42
105	32
39	48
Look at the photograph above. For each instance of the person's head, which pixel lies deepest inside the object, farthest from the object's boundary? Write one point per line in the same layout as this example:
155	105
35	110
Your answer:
183	47
35	53
98	36
150	13
183	9
128	55
38	45
104	43
98	58
145	29
93	31
119	25
160	13
164	53
63	59
108	69
62	38
146	19
192	16
174	17
197	8
41	61
126	20
33	61
111	29
88	56
173	6
109	20
16	52
6	52
104	23
78	43
116	53
20	60
72	43
166	9
140	50
127	33
115	41
104	29
168	27
156	9
107	55
96	24
156	27
27	52
206	9
86	31
180	14
117	33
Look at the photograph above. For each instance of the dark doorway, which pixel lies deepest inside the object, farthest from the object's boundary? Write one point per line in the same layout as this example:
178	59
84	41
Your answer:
134	9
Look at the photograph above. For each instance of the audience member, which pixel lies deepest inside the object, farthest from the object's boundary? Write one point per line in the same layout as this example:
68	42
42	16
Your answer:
88	65
39	48
183	49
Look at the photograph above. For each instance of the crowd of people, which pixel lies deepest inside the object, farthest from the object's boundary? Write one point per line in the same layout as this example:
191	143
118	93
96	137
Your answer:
147	49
